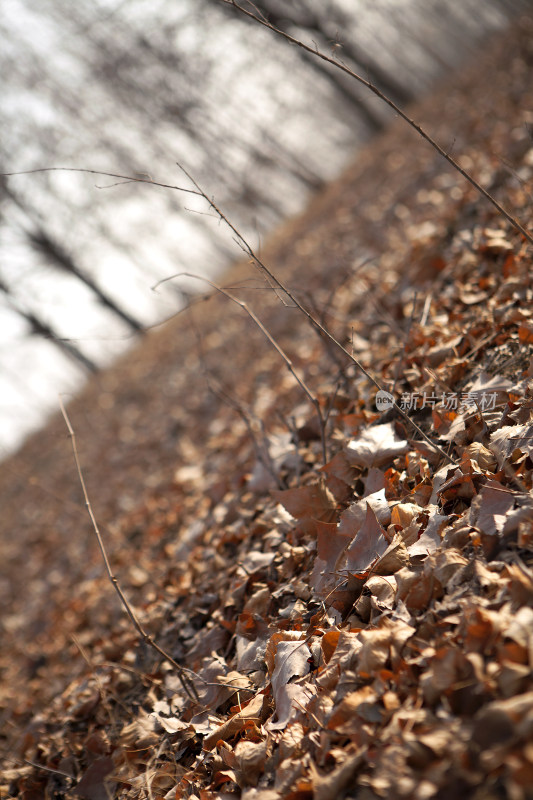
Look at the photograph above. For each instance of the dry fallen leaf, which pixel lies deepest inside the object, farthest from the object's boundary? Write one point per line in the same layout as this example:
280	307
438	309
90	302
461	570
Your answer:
490	509
252	712
94	784
318	676
315	502
375	446
506	441
369	543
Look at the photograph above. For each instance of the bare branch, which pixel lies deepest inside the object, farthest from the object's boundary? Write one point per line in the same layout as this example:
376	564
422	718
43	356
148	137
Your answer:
123	178
186	683
374	89
300	381
261	448
275	283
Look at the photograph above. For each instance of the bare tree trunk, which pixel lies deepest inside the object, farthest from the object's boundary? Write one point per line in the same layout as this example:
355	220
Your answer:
56	256
39	327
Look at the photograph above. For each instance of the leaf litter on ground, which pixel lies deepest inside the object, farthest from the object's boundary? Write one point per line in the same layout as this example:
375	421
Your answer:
366	631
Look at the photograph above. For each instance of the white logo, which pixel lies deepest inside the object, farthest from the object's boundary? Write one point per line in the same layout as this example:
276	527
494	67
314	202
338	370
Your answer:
384	400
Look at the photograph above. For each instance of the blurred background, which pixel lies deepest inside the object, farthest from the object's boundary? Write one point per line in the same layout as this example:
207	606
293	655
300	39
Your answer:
134	86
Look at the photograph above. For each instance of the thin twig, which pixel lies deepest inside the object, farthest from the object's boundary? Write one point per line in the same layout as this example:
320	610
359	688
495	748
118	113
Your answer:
49	769
425	312
186	683
264	330
374	89
124	178
315	324
261	449
274	282
401	360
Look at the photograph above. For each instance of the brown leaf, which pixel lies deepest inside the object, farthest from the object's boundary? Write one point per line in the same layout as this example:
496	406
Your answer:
272	646
393	559
329	643
511	438
291	700
315	502
383	589
340	475
369	544
344	658
447	563
356	706
525	333
291	660
93	785
485	382
330	545
431	537
417	588
519	584
380	644
403	514
481	455
375	446
249	760
490	509
332	785
252	711
503	721
353	518
374	481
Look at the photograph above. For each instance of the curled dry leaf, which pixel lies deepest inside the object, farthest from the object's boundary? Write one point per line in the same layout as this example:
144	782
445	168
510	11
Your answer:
291	660
510	440
314	502
417	588
403	514
376	445
393	559
491	508
249	762
482	455
252	712
369	543
382	588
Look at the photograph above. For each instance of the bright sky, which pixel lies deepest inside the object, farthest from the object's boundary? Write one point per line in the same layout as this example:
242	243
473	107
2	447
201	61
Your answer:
252	96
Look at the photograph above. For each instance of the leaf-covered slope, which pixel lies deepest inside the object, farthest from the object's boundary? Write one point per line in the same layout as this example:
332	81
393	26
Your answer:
362	628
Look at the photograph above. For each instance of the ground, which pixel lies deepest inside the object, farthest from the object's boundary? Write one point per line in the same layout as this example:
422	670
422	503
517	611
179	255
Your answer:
360	627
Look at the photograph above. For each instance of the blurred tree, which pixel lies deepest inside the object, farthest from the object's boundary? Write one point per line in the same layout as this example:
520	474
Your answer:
56	256
326	24
131	87
39	327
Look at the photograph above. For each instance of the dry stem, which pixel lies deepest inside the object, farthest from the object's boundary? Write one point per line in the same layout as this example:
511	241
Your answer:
272	280
300	381
186	683
275	283
374	89
261	448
